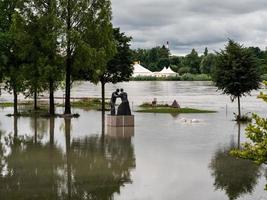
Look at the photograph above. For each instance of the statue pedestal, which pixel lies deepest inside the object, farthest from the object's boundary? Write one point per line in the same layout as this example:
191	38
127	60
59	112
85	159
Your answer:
120	132
120	121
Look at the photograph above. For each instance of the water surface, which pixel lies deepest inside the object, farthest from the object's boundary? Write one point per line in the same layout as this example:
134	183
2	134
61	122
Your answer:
163	157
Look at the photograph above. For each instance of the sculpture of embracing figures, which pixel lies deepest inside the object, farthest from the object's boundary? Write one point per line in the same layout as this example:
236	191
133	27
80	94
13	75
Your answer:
124	107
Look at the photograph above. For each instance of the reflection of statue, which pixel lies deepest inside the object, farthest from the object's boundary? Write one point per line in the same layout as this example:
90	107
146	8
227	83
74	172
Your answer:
235	176
113	101
124	107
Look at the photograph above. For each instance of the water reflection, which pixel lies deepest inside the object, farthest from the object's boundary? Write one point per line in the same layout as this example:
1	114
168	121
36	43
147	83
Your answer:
92	167
235	176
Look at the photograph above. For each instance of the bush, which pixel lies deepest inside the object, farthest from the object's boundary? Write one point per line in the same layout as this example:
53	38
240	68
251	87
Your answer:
202	77
264	77
187	77
184	70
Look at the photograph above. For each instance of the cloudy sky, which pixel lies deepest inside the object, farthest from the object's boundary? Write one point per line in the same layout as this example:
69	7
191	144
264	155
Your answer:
188	24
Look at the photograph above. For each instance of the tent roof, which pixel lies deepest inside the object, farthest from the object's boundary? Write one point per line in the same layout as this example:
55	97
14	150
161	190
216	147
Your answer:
140	69
166	70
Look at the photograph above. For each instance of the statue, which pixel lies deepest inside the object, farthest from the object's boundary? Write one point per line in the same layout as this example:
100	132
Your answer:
113	99
124	107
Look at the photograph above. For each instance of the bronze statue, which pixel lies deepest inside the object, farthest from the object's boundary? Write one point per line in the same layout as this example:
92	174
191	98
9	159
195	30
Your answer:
124	107
113	99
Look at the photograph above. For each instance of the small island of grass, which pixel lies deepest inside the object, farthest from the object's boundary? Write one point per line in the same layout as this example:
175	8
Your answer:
149	108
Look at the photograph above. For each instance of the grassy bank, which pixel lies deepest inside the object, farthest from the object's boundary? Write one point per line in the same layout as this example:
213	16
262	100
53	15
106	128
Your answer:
148	108
25	108
184	77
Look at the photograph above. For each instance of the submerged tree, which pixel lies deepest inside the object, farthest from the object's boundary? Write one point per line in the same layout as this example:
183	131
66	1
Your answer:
236	72
45	70
87	38
256	148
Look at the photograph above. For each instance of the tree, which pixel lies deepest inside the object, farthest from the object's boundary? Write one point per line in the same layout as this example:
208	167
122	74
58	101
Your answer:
206	52
192	61
207	63
256	148
87	45
119	68
163	62
48	64
236	72
12	26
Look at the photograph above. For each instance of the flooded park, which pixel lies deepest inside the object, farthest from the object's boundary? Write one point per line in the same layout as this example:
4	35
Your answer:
163	157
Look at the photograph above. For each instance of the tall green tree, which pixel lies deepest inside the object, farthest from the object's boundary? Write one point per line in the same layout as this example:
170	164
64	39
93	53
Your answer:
207	63
48	64
12	52
119	68
192	61
236	72
100	35
87	41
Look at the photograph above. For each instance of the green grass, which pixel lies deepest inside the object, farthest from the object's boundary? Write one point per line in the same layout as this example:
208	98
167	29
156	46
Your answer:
146	108
10	104
89	104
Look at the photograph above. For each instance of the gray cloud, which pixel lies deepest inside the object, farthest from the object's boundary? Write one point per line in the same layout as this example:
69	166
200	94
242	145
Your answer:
191	24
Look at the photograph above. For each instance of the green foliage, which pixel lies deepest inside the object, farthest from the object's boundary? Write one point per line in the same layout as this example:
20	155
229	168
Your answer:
119	68
207	63
184	77
236	72
256	149
154	59
184	70
192	61
164	109
264	77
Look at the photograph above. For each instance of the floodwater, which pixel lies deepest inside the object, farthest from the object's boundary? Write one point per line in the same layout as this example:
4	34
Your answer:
163	157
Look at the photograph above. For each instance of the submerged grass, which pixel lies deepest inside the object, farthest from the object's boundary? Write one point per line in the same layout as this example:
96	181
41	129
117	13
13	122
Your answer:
165	108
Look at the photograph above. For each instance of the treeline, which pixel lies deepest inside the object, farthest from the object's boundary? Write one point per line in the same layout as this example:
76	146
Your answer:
157	58
47	43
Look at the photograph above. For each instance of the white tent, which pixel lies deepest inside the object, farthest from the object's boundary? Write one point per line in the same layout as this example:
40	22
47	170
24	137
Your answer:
141	71
165	72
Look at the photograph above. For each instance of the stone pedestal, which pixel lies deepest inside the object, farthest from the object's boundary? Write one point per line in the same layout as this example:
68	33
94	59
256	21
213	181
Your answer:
120	132
120	121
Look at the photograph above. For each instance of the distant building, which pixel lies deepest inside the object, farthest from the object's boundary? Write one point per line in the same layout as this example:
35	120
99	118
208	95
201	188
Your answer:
140	70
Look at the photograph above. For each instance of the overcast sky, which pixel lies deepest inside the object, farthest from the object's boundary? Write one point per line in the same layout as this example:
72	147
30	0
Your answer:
188	24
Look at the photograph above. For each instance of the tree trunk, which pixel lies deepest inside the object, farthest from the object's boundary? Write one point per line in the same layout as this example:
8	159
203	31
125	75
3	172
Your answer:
103	96
15	102
35	100
239	135
68	62
51	98
239	109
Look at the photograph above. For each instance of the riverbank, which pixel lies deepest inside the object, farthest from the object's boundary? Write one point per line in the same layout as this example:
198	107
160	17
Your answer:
184	77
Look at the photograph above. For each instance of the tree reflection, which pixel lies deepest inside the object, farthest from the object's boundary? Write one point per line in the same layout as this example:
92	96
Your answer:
93	167
32	168
233	175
